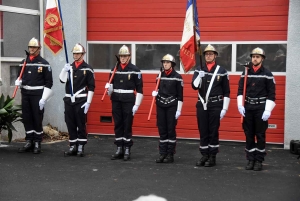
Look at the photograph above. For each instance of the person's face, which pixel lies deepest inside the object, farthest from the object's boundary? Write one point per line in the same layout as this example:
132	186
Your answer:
210	57
34	51
124	59
256	59
78	57
167	65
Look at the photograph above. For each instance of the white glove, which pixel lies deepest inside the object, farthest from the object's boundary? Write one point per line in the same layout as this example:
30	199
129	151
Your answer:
110	88
201	73
266	115
178	113
223	112
154	93
134	109
67	67
241	110
18	82
42	104
86	107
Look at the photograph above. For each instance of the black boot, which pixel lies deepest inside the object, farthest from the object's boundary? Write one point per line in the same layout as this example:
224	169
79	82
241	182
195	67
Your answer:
80	151
119	154
250	165
37	148
72	151
127	154
202	160
257	166
211	161
169	159
27	147
161	158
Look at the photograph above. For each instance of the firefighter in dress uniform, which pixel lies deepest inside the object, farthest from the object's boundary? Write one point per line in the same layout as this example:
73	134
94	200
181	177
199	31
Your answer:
212	83
79	87
35	85
169	100
256	110
125	103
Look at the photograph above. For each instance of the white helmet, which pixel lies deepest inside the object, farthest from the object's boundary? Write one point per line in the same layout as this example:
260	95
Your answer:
78	48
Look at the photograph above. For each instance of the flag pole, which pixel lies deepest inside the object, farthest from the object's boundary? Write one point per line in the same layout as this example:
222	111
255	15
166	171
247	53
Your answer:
65	45
200	50
153	99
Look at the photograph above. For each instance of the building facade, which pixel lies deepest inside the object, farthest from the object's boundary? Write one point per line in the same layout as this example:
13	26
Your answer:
154	28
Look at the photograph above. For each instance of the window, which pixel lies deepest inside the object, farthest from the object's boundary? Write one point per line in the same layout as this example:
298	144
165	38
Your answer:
102	56
275	56
148	56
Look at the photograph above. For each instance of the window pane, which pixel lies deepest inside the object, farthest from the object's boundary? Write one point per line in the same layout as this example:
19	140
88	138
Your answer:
29	4
102	56
148	56
18	29
275	56
224	55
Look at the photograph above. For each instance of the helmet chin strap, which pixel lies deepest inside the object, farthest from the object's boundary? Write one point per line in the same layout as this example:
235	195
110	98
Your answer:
79	57
35	51
258	63
167	69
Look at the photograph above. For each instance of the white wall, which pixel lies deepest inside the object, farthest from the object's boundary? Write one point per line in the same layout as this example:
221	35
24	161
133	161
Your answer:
292	97
74	14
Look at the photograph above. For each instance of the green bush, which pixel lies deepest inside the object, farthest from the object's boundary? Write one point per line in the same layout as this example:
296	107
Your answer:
9	114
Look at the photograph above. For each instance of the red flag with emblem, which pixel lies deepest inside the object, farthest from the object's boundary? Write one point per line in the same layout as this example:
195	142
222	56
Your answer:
53	34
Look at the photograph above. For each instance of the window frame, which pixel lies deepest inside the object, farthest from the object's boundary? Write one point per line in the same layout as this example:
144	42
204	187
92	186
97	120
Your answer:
233	53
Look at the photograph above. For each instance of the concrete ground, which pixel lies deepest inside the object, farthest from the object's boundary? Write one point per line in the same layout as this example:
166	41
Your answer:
51	176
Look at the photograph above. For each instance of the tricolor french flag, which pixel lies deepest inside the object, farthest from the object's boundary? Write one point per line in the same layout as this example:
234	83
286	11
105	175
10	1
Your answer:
190	37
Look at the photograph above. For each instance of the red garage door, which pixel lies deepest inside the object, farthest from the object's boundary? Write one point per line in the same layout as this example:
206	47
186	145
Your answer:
162	20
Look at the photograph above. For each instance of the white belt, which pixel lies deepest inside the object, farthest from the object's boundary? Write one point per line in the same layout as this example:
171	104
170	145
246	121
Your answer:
122	91
32	87
78	96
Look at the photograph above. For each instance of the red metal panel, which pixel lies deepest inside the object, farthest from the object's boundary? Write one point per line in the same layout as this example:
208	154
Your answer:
229	20
230	129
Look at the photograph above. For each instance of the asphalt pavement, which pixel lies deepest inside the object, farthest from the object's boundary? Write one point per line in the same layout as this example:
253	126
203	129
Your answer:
51	176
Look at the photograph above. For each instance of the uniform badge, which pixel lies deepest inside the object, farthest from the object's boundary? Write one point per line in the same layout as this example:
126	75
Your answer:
121	80
40	69
128	76
218	78
49	68
139	75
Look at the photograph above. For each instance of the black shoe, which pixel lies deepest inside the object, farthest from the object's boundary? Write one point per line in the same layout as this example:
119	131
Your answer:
119	154
72	151
250	165
127	154
27	147
202	160
211	161
161	158
37	148
257	166
169	159
80	151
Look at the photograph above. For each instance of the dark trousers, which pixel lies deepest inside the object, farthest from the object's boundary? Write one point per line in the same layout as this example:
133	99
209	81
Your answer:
166	124
32	117
208	125
123	119
76	123
253	127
